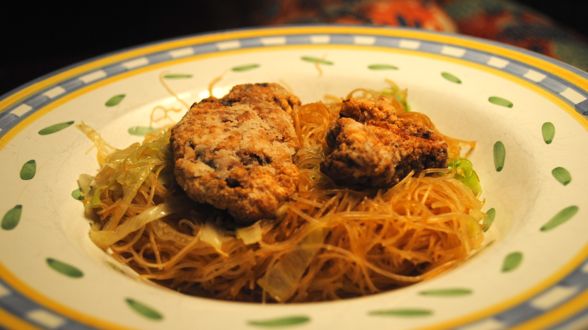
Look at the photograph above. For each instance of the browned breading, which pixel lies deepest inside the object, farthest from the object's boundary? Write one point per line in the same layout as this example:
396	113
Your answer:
235	153
256	93
368	111
371	146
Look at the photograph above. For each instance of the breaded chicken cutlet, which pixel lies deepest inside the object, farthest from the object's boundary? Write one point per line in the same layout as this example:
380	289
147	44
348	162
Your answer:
235	153
370	146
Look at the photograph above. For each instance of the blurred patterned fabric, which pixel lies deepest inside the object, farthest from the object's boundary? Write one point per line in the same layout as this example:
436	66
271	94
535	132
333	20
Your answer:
501	20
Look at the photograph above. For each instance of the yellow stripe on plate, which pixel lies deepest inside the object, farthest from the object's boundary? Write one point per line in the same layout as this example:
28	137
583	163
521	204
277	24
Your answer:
12	322
51	304
556	315
519	298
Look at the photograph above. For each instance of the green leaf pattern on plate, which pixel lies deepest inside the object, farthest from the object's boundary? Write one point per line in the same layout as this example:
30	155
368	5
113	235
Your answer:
450	77
548	132
64	268
316	60
11	218
562	175
55	128
488	219
114	100
140	130
512	261
402	312
499	155
143	309
497	100
379	67
560	218
448	292
280	321
177	76
28	170
245	67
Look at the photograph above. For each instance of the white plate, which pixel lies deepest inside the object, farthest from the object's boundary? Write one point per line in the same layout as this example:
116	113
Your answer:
535	274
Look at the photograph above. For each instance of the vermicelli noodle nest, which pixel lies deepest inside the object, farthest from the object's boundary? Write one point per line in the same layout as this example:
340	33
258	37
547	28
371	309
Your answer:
327	242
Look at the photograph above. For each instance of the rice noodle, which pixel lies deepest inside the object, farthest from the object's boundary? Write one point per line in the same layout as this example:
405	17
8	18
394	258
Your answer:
327	243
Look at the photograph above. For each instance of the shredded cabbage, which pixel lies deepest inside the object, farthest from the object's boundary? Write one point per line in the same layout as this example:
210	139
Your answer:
214	237
401	95
85	182
105	238
123	171
251	234
464	172
104	149
281	280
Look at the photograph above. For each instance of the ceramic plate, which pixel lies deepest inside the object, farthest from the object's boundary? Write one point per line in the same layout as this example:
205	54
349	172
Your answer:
528	114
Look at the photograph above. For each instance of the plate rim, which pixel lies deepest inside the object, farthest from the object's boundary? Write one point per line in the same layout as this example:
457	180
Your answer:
220	35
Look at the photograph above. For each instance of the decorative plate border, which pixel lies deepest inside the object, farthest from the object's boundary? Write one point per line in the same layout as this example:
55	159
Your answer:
564	295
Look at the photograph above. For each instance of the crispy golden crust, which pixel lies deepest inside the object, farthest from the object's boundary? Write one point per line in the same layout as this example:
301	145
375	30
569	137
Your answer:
235	153
371	146
367	111
256	94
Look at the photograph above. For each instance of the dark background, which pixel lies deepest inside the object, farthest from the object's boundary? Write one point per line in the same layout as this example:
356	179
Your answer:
43	37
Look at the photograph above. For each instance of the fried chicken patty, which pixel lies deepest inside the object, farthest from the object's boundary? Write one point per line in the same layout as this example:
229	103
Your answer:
235	153
371	146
